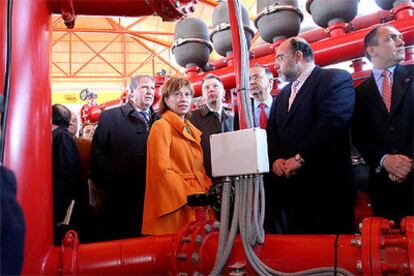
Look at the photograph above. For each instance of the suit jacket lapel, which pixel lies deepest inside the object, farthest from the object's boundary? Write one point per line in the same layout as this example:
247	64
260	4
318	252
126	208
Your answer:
376	100
401	81
304	91
282	108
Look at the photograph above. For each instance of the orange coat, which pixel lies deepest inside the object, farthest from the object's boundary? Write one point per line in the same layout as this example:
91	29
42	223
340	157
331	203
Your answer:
174	170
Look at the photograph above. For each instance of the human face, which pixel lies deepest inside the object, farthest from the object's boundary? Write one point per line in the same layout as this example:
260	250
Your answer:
285	64
390	48
73	124
213	92
179	101
260	85
143	95
88	132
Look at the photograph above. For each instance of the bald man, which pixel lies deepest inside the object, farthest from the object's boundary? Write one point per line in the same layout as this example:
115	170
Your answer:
309	143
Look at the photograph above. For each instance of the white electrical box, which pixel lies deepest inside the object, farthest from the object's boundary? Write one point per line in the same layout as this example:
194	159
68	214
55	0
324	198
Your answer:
239	152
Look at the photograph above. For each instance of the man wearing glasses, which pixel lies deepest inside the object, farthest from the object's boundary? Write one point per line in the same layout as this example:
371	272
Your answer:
309	143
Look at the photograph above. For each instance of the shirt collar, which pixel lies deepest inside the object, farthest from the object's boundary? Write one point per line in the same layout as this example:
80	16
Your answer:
138	109
268	102
205	109
378	72
305	74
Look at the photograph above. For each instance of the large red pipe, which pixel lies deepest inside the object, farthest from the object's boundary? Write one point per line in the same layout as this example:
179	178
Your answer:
379	249
168	10
328	51
237	53
317	34
28	142
110	7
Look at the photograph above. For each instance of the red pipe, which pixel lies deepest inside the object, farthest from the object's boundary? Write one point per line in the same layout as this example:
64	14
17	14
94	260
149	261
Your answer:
328	51
168	10
29	128
3	8
317	34
110	7
235	35
379	249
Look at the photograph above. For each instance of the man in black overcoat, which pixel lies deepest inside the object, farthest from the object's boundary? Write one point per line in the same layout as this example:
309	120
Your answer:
118	160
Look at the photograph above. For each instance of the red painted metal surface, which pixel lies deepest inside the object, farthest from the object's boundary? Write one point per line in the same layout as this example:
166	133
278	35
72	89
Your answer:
315	35
167	9
327	51
378	250
3	44
28	137
235	35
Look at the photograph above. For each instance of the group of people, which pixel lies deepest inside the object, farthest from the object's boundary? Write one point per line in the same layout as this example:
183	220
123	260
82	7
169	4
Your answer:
71	170
147	163
308	137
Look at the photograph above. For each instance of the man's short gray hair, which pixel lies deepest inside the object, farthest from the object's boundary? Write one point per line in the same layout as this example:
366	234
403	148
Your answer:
268	73
135	80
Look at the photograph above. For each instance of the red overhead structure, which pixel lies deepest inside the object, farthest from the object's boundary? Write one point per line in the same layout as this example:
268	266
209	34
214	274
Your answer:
379	249
331	50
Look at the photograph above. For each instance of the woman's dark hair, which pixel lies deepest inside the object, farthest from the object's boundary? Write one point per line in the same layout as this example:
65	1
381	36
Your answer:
171	85
60	115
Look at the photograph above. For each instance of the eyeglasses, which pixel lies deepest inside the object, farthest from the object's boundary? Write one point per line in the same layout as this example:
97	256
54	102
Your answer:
279	58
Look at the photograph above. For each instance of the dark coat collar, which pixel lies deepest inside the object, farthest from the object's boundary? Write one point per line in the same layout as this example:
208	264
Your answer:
204	111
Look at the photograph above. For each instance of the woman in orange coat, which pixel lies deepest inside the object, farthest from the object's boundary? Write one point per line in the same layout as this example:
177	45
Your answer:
174	163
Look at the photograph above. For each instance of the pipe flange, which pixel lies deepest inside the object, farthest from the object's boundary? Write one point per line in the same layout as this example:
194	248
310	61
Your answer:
226	25
275	8
180	41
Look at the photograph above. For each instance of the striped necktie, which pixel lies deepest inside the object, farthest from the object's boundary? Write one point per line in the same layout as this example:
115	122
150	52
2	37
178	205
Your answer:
386	89
293	93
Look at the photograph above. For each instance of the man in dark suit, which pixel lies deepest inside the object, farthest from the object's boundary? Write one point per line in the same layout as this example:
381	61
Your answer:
12	225
211	118
66	173
382	127
118	160
260	86
309	142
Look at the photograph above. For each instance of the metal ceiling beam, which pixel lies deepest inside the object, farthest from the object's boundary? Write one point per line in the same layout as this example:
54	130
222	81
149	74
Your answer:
158	56
150	39
97	54
110	31
60	68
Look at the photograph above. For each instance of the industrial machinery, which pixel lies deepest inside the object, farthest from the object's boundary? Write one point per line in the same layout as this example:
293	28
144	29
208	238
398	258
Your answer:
377	249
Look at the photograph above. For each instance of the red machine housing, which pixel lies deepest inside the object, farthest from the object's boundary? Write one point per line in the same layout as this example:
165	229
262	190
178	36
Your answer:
379	249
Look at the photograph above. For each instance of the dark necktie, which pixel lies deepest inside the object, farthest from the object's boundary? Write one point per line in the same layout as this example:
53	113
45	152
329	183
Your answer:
263	117
386	89
145	115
